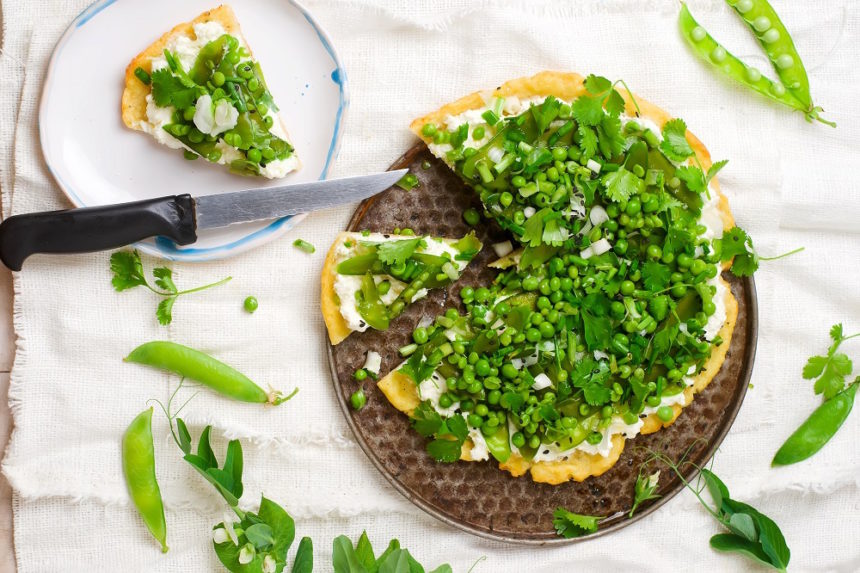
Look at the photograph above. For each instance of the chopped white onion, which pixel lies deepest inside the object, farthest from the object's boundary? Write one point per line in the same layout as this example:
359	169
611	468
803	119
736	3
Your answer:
547	346
529	211
450	270
593	165
372	362
419	295
600	355
598	215
425	321
503	248
517	363
596	248
495	154
541	381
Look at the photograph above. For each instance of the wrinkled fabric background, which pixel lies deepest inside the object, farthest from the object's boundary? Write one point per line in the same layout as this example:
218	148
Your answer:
790	183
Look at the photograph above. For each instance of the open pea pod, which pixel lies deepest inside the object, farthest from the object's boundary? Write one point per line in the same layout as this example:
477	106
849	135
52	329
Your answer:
370	306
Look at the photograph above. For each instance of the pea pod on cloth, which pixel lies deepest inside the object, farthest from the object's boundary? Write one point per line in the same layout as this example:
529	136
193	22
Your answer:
817	430
138	465
780	50
195	365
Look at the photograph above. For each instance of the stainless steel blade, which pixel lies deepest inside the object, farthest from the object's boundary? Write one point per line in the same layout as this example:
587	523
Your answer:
273	202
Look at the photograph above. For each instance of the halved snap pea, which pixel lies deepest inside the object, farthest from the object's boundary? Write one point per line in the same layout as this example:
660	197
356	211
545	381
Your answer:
138	465
199	366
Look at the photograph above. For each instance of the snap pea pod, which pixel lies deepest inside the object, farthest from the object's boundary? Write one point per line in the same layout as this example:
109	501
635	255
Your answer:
777	44
708	49
199	366
817	430
138	465
499	443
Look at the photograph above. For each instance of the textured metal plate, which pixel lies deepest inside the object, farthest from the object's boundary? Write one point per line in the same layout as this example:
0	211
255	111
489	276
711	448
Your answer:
479	497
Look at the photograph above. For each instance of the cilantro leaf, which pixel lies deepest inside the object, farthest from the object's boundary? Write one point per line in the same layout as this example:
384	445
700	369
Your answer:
745	265
736	244
621	185
396	252
534	227
675	145
596	324
655	276
545	113
444	450
596	84
587	142
127	270
610	138
588	110
715	168
614	104
164	311
596	394
425	419
164	279
568	524
418	368
693	177
830	370
456	426
554	234
167	90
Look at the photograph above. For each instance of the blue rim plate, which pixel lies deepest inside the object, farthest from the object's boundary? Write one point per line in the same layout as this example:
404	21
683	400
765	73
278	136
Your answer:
96	160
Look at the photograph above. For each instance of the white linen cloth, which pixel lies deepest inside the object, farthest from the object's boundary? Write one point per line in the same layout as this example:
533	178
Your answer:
790	183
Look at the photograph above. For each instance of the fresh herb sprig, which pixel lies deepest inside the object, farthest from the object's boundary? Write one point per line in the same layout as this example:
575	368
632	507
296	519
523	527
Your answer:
752	533
736	244
645	489
568	524
829	372
127	269
360	558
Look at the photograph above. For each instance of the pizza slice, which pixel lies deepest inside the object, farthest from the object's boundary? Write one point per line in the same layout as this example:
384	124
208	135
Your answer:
369	279
198	89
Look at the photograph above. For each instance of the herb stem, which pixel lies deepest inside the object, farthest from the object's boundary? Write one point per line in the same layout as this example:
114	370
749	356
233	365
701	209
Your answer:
795	251
204	287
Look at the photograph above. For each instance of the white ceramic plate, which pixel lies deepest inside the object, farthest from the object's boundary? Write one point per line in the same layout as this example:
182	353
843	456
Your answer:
96	160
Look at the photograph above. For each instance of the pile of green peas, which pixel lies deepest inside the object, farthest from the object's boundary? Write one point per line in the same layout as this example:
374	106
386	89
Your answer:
656	282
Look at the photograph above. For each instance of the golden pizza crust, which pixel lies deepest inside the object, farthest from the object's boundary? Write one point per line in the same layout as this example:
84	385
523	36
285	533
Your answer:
337	328
135	92
403	393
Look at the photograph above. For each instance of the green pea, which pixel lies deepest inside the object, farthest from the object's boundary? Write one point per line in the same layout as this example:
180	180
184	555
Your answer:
471	216
653	401
475	420
654	252
620	246
419	335
594	438
633	206
482	367
428	130
518	439
250	304
665	413
360	374
478	133
254	155
445	400
358	399
547	330
627	287
138	465
218	79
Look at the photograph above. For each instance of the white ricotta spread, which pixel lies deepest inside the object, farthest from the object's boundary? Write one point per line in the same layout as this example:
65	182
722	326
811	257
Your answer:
479	450
431	389
217	120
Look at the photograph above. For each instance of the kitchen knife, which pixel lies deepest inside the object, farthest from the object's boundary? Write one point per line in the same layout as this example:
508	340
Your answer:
177	217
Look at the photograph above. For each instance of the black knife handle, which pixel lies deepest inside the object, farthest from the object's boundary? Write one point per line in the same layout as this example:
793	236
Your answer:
96	228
